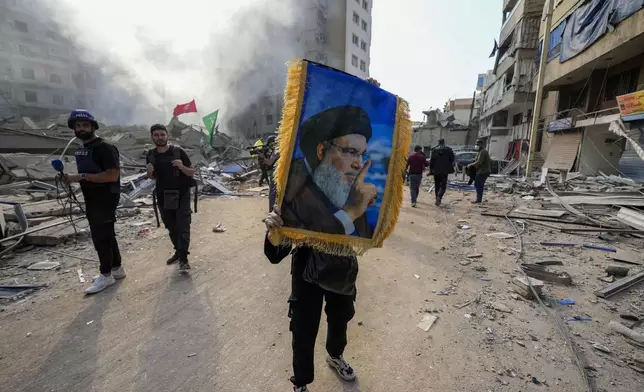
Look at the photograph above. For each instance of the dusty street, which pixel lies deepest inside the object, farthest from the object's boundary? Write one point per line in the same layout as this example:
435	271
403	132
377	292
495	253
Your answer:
224	326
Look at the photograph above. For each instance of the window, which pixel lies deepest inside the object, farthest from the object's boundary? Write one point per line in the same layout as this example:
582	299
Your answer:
363	65
516	119
321	17
20	26
6	92
363	45
269	119
26	51
6	71
364	25
365	5
354	60
355	39
320	36
556	36
31	96
528	116
28	73
356	18
54	78
622	83
59	100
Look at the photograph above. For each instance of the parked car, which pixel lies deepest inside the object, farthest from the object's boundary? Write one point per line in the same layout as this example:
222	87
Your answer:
464	158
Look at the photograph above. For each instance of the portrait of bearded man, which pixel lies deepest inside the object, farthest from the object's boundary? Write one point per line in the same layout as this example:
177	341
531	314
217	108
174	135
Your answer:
326	190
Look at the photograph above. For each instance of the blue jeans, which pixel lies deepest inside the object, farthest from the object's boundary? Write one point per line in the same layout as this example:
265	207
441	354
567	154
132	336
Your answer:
479	184
414	186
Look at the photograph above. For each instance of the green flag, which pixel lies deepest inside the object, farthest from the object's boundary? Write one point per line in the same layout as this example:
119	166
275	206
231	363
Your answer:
210	120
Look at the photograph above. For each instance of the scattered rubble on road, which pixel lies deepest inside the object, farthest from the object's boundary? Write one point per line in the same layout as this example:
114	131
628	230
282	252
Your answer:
35	213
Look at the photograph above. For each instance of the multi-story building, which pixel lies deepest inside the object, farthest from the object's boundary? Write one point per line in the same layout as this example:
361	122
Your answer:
508	98
336	33
39	72
595	54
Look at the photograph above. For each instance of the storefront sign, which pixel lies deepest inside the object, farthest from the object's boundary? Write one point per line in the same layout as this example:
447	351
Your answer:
631	106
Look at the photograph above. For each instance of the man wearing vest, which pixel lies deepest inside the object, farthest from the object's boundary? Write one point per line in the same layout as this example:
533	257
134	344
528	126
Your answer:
171	167
98	173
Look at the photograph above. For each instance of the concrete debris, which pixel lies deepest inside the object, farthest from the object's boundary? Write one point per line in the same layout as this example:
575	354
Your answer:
44	265
427	321
500	307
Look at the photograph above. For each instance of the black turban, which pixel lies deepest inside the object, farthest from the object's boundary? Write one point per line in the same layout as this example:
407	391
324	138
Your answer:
330	124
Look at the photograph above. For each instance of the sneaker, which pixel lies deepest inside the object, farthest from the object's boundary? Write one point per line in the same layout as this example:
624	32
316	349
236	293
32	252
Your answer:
100	284
173	259
476	202
438	202
300	389
342	367
184	265
413	205
118	273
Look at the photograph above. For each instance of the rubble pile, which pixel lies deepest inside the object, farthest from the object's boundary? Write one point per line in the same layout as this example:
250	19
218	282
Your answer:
577	247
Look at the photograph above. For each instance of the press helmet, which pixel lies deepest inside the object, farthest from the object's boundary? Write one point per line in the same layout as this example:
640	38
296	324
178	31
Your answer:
270	139
81	115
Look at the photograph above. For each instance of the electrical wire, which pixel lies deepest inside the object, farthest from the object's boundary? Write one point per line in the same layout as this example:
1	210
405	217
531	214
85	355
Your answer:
558	321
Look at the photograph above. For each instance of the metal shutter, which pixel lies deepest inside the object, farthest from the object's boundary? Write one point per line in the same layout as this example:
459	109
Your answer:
563	151
630	164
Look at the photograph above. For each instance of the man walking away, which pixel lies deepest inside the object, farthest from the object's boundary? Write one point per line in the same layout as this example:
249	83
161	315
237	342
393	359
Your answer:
416	163
99	176
482	164
171	167
441	165
316	277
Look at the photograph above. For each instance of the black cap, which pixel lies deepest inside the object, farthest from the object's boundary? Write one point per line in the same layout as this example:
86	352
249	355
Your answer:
479	141
441	141
330	124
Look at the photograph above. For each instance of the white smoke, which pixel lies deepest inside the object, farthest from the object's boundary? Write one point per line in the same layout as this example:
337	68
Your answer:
225	54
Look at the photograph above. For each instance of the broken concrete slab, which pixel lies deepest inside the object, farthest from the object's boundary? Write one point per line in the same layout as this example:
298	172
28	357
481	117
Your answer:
521	285
58	234
546	213
427	321
44	266
500	307
625	256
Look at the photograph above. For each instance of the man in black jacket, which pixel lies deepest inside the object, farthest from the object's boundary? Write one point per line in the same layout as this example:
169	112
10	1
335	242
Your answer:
316	277
441	165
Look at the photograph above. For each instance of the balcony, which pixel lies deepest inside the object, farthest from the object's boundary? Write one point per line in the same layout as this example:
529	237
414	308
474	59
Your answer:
512	98
508	5
521	9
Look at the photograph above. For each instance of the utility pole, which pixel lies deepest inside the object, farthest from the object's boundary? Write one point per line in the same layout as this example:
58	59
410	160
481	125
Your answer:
536	113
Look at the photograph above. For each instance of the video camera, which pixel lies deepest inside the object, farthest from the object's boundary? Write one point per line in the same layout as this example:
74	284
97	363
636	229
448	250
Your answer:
265	150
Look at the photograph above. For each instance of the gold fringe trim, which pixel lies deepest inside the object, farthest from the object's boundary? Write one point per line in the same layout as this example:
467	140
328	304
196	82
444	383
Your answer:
342	245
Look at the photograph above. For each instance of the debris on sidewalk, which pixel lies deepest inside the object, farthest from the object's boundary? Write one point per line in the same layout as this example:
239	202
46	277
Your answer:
44	265
427	321
218	228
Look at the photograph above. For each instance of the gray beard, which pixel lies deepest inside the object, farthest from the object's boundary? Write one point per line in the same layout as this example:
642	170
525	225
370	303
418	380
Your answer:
332	183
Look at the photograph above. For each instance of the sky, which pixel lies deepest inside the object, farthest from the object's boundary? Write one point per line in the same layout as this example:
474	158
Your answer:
428	51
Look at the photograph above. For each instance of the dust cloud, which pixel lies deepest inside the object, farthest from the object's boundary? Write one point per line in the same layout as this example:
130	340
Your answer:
153	55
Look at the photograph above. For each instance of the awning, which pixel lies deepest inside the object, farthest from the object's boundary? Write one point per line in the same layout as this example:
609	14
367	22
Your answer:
563	151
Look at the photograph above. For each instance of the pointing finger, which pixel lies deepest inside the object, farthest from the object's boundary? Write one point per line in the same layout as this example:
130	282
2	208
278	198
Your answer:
363	172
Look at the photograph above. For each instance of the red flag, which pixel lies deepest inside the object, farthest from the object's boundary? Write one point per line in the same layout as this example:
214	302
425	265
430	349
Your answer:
190	107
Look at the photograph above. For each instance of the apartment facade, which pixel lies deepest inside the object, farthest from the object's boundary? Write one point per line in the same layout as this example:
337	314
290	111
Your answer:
336	33
39	72
508	98
595	54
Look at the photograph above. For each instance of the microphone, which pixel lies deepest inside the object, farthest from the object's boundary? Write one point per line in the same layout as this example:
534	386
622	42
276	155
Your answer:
58	165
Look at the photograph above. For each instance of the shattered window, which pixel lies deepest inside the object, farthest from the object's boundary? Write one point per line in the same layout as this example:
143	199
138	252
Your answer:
20	26
363	45
363	65
354	60
356	18
269	119
28	73
31	96
54	78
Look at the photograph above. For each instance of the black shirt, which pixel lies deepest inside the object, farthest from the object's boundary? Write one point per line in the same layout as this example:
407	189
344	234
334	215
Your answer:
169	177
94	157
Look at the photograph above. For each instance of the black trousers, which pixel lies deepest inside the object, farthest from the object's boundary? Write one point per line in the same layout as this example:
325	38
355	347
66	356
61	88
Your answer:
264	176
101	216
178	224
306	311
440	185
415	180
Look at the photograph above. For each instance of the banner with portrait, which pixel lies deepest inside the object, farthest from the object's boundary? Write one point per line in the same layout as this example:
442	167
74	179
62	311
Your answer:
343	143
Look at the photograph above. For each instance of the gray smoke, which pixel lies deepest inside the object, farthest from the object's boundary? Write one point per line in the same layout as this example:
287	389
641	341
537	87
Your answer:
152	55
